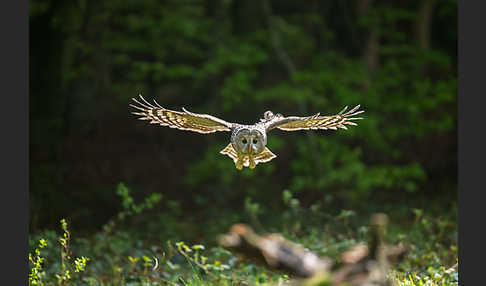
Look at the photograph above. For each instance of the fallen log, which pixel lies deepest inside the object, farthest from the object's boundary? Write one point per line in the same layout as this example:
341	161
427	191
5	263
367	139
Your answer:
361	265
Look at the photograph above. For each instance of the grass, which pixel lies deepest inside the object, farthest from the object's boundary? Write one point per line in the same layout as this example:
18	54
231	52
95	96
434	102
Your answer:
116	255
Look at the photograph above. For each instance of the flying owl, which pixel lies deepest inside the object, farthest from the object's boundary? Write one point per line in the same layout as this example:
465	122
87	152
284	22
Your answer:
247	145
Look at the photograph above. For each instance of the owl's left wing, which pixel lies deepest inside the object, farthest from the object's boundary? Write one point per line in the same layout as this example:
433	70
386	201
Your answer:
294	123
185	120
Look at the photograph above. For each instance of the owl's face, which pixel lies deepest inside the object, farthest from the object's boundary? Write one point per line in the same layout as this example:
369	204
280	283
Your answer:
248	141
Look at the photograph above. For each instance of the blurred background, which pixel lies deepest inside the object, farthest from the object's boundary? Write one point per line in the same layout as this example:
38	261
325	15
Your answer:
235	59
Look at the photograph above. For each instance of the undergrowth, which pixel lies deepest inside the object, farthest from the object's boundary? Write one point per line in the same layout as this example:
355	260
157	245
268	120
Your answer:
116	256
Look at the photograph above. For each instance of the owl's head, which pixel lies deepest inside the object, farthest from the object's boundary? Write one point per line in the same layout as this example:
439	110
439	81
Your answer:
268	115
248	141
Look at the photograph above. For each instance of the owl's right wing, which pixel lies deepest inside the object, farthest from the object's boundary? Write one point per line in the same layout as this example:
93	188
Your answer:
294	123
185	120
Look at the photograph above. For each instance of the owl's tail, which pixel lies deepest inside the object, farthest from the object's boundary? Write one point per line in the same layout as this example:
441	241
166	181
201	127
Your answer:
244	160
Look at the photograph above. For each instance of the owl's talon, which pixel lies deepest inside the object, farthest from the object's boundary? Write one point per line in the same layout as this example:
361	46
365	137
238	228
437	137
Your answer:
239	164
248	142
252	163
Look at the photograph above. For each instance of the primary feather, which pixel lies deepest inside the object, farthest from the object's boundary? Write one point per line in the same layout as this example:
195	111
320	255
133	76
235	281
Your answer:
247	145
183	120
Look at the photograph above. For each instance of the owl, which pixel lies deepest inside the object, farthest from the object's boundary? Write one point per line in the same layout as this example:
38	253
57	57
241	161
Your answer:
247	145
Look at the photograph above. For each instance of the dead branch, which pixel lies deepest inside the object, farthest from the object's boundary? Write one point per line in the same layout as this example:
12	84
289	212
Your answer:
274	250
361	265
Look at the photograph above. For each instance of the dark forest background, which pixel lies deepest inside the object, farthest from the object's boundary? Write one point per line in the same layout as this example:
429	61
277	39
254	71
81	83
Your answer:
235	59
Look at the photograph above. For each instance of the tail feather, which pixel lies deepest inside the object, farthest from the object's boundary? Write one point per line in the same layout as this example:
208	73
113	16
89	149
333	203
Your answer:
244	160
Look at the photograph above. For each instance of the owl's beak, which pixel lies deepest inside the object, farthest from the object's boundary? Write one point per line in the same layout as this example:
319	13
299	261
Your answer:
250	150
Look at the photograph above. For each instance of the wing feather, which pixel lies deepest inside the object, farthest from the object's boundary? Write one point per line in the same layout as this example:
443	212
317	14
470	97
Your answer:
185	120
314	122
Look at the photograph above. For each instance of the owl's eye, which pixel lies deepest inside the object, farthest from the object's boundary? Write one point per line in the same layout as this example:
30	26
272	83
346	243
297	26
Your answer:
244	141
255	141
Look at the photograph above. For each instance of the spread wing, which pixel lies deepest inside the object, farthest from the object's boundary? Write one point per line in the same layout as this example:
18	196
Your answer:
183	120
294	123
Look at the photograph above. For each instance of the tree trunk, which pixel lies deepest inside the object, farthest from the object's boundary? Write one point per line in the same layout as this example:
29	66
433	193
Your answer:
371	56
424	22
371	39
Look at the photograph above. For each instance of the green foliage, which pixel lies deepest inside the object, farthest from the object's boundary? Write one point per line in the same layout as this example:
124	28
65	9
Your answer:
431	277
68	265
194	56
221	58
35	275
432	241
129	206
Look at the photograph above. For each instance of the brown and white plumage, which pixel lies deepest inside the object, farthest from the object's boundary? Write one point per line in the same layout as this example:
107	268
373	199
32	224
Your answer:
247	145
246	160
295	123
185	120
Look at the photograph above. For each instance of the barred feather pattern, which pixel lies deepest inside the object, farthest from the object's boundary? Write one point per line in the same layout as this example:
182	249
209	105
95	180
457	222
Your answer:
204	123
316	121
185	120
